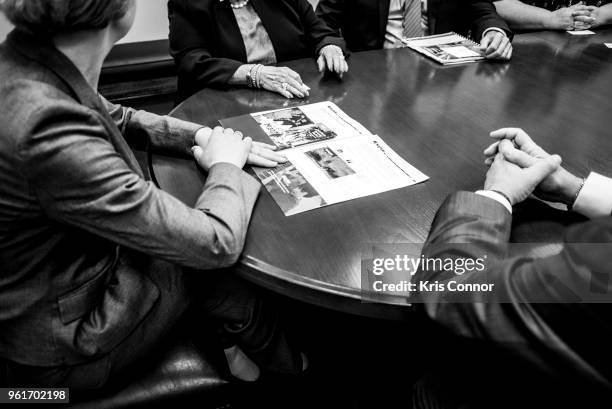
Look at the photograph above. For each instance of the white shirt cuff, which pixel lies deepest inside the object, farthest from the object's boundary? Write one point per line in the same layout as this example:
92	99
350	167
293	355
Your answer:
595	198
497	197
494	29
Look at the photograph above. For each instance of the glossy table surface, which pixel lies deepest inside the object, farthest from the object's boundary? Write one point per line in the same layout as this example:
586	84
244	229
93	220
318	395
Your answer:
557	87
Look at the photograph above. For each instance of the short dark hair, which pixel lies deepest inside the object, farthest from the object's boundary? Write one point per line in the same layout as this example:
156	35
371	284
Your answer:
61	16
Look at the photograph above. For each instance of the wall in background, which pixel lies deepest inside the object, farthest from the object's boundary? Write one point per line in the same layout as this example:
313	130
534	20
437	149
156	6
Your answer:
151	22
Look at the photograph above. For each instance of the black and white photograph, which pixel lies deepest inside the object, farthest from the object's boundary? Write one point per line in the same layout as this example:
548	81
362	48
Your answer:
302	136
449	52
298	204
330	163
291	127
277	122
290	189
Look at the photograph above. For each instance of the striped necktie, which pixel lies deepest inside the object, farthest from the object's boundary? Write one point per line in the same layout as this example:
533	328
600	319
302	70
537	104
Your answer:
412	19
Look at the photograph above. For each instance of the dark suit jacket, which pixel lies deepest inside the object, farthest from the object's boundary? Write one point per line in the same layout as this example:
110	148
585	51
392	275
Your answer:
363	23
74	205
207	46
533	312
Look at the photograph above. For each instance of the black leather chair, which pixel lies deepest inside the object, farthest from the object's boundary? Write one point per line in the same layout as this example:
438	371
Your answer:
184	376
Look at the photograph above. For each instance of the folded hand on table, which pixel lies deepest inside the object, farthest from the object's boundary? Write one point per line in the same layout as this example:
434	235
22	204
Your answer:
517	148
226	145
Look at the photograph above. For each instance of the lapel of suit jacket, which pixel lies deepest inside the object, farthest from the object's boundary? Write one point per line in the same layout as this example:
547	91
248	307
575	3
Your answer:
383	17
48	56
227	23
273	20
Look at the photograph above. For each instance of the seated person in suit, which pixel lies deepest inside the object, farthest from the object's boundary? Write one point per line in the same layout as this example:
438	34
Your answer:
375	24
97	263
239	42
541	315
555	14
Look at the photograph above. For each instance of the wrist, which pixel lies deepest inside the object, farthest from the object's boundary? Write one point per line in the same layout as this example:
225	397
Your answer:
493	30
331	47
501	189
226	162
570	188
604	16
504	195
573	192
548	22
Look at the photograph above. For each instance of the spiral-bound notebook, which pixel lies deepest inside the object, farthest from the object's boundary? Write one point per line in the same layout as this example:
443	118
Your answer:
447	48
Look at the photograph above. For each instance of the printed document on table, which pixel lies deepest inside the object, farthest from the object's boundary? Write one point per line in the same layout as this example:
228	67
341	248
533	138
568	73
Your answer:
447	48
331	157
291	127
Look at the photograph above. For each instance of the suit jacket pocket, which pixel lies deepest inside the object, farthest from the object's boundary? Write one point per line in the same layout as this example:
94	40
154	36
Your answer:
127	299
78	302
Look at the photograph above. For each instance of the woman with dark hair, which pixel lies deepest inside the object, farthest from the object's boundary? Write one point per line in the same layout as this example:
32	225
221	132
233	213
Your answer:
97	264
222	43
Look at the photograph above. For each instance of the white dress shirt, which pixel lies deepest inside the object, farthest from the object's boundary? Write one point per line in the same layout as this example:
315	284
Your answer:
393	33
594	199
395	26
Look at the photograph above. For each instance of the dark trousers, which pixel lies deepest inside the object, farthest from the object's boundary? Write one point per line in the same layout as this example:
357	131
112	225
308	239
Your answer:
198	298
475	375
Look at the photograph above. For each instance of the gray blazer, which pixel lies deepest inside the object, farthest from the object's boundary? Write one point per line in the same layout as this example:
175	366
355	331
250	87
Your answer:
73	202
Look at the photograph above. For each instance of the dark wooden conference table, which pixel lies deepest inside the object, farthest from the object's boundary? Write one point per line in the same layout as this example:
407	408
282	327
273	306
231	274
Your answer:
557	87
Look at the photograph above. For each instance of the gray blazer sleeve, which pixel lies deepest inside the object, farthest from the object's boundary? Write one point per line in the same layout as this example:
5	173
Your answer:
141	128
80	180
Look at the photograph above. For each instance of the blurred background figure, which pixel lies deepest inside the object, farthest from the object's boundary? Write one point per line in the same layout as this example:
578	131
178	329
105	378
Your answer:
375	24
555	14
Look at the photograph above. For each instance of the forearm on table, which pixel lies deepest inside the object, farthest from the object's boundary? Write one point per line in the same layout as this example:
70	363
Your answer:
164	133
200	69
485	18
522	16
331	12
477	220
604	15
81	181
143	129
241	74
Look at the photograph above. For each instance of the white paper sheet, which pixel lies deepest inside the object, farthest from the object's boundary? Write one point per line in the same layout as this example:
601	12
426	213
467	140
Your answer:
351	165
291	127
580	32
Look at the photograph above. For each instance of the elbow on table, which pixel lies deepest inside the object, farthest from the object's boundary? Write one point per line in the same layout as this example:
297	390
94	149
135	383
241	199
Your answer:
225	249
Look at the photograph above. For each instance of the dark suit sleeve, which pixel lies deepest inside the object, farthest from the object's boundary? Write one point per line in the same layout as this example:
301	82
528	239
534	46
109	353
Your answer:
190	46
81	181
332	13
319	33
484	16
530	311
